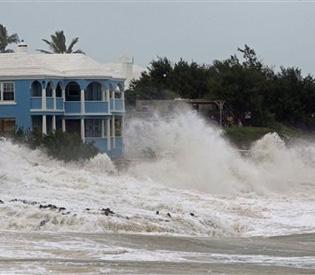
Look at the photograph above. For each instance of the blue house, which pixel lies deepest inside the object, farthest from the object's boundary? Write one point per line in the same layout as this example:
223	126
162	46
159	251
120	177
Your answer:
70	92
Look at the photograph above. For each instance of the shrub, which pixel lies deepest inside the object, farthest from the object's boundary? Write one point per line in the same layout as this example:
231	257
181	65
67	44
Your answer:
59	145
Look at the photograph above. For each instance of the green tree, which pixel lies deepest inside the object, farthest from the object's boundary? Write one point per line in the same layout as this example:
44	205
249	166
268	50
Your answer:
6	39
58	44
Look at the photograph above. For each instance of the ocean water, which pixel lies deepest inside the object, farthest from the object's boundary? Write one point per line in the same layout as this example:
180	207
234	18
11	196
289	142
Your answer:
188	202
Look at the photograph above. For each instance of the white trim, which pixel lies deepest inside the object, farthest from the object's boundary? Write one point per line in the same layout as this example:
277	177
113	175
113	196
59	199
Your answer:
7	102
45	111
87	114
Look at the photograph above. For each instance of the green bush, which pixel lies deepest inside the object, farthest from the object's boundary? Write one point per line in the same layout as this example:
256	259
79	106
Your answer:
59	145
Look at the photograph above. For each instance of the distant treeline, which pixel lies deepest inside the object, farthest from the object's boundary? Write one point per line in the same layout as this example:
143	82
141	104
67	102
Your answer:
246	84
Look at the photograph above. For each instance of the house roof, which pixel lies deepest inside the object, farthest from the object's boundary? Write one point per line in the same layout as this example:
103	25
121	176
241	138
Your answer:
26	65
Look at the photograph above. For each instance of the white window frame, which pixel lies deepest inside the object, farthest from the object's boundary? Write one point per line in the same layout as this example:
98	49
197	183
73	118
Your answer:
2	101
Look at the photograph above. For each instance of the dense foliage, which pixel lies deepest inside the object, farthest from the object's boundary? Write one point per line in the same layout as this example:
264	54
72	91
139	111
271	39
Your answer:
245	83
59	145
7	39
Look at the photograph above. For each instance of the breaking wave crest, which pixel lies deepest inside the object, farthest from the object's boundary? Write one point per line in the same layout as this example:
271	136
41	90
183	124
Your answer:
184	178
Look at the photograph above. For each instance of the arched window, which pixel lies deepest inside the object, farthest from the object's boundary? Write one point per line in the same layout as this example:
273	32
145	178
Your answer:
73	91
93	91
58	90
49	89
36	89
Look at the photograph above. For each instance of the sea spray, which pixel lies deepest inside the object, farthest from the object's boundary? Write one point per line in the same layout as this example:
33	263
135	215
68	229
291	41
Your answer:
195	183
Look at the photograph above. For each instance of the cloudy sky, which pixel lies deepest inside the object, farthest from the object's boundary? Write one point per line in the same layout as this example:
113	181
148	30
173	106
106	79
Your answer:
281	32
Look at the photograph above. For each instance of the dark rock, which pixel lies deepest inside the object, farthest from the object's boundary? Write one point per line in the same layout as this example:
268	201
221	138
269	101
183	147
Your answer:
157	212
43	222
192	214
87	209
62	208
107	211
168	214
1	202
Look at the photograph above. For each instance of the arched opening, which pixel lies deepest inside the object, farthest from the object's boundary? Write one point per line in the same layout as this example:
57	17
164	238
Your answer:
36	89
58	90
49	89
119	89
93	92
73	91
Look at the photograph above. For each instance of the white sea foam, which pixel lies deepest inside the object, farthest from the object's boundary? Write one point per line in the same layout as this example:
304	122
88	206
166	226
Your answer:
207	187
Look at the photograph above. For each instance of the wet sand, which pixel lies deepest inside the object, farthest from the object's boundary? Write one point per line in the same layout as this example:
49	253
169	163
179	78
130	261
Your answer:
77	253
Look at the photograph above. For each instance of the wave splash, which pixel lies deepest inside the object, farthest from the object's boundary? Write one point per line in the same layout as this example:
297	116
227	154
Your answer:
194	183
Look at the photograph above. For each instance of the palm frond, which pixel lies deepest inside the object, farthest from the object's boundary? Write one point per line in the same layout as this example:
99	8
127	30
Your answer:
73	42
43	51
79	51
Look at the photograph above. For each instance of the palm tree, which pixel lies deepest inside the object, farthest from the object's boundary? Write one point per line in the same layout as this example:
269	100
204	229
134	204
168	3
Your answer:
6	39
58	44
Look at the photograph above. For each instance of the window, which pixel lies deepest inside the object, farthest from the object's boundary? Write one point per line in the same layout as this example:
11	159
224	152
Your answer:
93	92
36	89
93	127
73	91
7	91
7	126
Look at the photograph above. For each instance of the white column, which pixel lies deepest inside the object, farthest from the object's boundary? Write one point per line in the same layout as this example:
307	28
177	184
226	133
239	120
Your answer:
63	93
123	100
82	98
44	125
63	125
113	98
108	100
54	123
54	99
113	132
103	128
82	130
103	94
108	133
44	106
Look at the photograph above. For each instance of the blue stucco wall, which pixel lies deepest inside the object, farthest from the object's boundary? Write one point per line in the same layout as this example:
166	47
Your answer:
21	110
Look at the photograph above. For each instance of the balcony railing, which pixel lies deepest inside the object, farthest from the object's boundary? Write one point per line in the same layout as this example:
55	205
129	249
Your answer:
36	103
49	103
59	103
72	107
96	107
116	105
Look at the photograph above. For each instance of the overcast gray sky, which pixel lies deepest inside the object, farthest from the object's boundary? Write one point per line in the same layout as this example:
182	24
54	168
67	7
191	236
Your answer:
281	32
